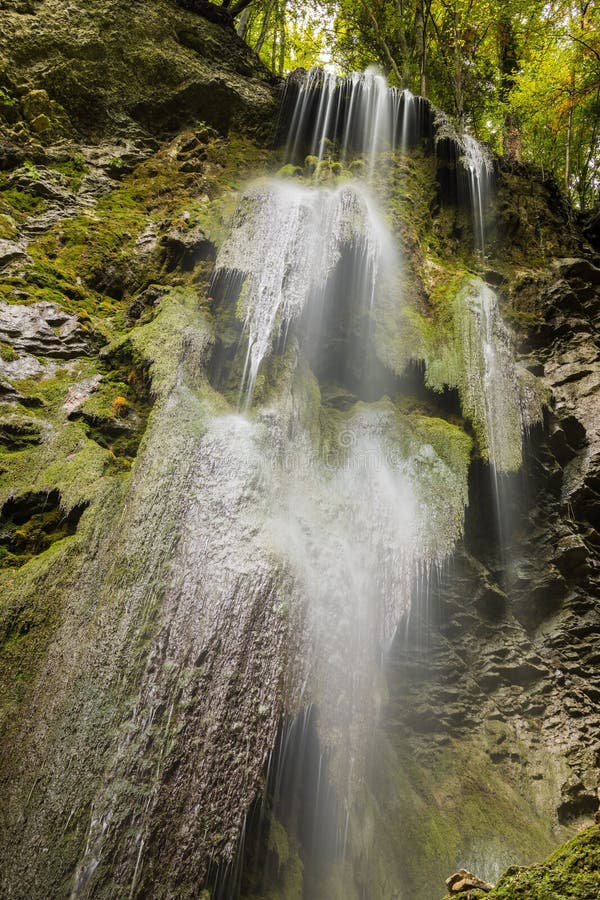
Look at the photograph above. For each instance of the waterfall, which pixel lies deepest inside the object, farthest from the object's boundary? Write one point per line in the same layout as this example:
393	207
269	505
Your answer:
473	160
478	165
492	394
360	113
285	241
290	508
351	484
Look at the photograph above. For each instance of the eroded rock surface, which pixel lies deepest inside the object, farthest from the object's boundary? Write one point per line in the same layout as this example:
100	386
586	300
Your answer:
42	329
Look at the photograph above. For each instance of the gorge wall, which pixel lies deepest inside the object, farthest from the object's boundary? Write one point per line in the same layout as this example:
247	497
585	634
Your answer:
144	680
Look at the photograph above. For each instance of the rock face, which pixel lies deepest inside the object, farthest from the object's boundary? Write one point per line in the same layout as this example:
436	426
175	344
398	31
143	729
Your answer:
166	669
504	696
113	66
42	329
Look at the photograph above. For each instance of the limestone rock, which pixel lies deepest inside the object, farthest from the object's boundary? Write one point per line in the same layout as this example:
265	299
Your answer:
185	247
18	432
118	54
578	268
463	881
10	252
26	365
42	329
79	393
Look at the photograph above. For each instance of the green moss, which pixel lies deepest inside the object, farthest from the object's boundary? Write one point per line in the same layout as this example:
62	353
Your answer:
278	843
289	171
450	441
73	168
570	873
31	524
21	203
8	353
439	810
8	227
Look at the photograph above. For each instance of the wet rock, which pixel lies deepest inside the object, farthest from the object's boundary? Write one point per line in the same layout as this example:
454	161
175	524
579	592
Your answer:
575	432
578	268
571	554
42	329
143	306
492	602
576	800
560	446
463	881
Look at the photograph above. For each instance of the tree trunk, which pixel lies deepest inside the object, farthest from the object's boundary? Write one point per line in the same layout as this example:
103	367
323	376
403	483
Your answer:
265	27
281	65
421	16
383	43
511	136
568	145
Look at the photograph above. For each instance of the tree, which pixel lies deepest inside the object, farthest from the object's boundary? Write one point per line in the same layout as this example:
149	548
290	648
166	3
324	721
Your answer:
522	74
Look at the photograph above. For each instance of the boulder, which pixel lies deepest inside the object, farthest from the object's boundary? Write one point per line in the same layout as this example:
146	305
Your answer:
582	269
463	881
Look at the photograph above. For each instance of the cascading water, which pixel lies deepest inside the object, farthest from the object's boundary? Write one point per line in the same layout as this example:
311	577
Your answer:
478	164
475	162
302	507
495	394
285	241
354	493
360	113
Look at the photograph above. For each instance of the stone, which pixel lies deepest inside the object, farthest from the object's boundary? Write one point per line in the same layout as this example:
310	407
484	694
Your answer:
11	252
42	329
578	268
79	393
35	103
571	553
19	432
463	881
26	365
205	71
41	124
183	248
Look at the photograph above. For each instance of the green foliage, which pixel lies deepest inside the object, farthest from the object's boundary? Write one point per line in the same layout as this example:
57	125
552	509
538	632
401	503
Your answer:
288	34
523	76
8	352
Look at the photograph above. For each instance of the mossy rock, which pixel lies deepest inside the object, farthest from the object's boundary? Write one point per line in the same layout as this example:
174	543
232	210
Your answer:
570	873
117	55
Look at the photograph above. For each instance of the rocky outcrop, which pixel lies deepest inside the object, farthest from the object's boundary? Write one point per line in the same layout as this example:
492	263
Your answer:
41	329
501	697
114	67
463	882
